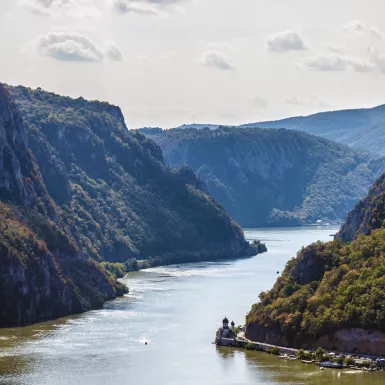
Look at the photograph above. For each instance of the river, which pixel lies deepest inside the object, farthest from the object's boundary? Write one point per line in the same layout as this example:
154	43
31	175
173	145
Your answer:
177	310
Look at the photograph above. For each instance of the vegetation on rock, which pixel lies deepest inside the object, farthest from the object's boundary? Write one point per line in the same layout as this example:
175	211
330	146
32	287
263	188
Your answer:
331	286
117	198
77	189
368	215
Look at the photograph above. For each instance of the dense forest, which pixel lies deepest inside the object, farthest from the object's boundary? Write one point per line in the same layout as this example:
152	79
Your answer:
272	177
77	188
330	286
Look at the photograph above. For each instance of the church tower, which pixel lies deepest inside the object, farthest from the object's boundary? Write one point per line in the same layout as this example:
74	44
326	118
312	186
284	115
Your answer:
232	326
225	323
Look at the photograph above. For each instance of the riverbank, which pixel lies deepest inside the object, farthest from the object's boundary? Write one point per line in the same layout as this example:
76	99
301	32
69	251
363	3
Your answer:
321	357
119	270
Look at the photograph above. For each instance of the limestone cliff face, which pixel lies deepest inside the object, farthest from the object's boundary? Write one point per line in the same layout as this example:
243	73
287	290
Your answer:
272	177
31	285
118	199
260	333
370	342
352	340
367	215
43	275
15	160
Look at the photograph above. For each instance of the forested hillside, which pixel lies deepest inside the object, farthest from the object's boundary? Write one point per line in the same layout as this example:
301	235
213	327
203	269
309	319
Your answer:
332	294
272	177
77	188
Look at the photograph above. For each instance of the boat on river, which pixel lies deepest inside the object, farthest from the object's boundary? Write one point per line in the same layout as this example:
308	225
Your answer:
331	365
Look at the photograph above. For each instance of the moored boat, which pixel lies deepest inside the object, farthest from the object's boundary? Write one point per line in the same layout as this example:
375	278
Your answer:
331	365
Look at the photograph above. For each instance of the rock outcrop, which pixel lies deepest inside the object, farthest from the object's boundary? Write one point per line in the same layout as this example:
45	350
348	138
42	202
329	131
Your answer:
353	340
367	215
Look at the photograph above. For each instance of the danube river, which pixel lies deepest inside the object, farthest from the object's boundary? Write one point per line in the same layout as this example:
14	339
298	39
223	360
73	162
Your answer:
177	310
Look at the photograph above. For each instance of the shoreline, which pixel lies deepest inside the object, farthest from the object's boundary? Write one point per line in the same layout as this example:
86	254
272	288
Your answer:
136	265
362	362
147	264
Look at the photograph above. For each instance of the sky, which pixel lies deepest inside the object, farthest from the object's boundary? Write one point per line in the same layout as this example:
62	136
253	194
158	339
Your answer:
171	62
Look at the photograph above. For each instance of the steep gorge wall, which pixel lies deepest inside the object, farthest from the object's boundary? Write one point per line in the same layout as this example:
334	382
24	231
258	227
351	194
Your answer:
34	251
272	177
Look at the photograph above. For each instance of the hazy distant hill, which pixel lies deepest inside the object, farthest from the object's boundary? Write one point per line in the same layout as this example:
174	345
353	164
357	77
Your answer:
362	129
200	126
272	177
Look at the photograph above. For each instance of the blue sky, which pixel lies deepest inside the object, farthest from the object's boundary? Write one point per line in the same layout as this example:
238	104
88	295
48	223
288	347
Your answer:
167	62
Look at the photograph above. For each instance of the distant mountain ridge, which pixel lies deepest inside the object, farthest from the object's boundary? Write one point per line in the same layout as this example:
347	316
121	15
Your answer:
362	129
200	126
267	177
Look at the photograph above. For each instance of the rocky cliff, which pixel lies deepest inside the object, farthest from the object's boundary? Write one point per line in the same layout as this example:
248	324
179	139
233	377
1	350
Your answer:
117	197
34	251
367	215
331	294
77	188
272	177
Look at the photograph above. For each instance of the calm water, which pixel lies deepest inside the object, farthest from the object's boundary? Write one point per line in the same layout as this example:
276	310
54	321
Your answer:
176	309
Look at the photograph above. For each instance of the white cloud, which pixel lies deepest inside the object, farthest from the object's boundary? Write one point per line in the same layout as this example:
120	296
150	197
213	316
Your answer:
220	45
260	102
112	51
145	7
380	63
335	62
124	6
335	48
307	101
327	63
217	60
360	27
285	41
361	65
75	8
65	46
377	59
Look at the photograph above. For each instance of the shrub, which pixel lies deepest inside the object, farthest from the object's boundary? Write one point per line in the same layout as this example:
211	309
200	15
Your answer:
275	350
349	361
